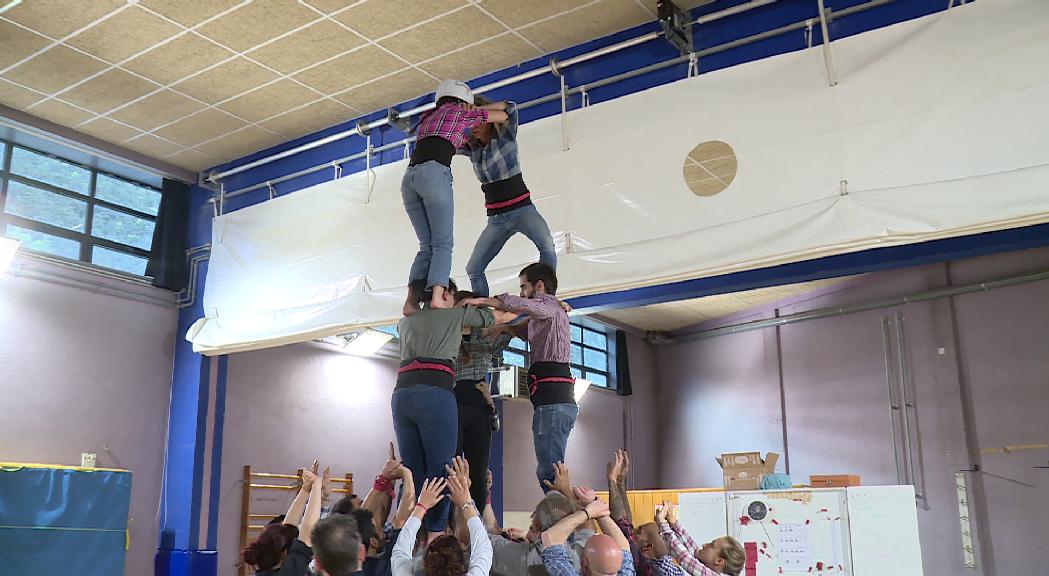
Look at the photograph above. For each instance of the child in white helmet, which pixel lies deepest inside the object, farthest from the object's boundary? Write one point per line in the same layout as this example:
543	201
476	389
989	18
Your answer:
427	184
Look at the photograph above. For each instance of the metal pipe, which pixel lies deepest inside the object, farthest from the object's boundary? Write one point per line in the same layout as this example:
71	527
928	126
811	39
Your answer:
833	15
486	88
906	404
733	10
564	114
833	311
893	406
828	58
268	475
273	487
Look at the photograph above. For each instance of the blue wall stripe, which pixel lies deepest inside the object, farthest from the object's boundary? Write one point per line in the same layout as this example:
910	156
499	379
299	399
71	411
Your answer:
216	453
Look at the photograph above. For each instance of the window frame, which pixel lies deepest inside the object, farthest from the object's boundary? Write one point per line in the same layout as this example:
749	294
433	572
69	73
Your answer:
86	239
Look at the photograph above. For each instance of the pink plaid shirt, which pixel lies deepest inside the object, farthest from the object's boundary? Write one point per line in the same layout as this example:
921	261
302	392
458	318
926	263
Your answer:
684	549
450	122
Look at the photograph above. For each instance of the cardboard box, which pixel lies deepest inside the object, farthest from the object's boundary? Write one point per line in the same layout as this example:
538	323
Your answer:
833	480
743	470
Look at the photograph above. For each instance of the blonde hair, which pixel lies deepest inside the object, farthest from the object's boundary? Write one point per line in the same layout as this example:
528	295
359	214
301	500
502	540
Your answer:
735	557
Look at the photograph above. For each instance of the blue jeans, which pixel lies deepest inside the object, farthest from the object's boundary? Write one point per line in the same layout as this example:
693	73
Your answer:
426	190
501	227
551	425
426	422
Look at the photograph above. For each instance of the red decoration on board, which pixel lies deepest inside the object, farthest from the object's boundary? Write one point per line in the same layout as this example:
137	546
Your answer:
807	520
744	520
824	510
776	522
819	566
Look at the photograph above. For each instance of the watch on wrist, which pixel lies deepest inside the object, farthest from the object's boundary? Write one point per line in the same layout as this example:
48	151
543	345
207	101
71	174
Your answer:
468	504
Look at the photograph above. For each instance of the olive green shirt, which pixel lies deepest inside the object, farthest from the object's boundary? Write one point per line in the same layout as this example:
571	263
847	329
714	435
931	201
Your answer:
437	332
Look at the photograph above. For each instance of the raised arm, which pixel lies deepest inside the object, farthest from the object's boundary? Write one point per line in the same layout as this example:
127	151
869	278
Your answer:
313	513
401	559
379	499
404	511
688	562
298	505
617	499
687	540
598	510
480	544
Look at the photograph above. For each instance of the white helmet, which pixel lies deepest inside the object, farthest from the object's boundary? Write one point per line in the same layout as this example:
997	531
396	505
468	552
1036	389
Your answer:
455	89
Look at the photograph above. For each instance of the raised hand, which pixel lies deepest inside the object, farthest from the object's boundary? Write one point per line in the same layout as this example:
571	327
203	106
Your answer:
597	509
392	468
562	480
308	478
432	492
459	467
672	514
662	510
326	484
585	495
459	486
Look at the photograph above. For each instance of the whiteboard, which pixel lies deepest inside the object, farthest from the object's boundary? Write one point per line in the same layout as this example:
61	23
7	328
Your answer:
884	531
703	515
793	531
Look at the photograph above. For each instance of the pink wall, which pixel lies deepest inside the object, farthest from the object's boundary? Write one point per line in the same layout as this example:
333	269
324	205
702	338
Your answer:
724	394
80	370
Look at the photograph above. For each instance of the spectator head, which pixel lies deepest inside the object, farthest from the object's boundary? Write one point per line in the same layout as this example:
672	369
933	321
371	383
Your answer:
482	133
551	509
366	526
272	545
602	556
337	547
346	505
650	542
445	557
421	295
724	555
538	278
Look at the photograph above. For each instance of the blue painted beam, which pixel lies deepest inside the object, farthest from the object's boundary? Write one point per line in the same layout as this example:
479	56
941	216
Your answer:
179	552
829	267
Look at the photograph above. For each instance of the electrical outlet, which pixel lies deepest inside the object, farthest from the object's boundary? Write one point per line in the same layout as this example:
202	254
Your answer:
88	460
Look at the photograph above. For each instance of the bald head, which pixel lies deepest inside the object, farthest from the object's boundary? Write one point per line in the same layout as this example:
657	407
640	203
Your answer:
602	556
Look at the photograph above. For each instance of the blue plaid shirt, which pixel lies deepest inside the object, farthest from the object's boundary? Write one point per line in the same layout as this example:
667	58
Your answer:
498	160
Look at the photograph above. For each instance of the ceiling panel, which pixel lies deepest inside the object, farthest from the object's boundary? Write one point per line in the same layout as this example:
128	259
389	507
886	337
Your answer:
670	316
197	73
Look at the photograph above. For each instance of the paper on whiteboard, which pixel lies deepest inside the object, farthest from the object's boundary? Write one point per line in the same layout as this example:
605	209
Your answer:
795	549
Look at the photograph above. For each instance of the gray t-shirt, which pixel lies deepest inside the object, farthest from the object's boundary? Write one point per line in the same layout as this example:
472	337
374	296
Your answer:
438	332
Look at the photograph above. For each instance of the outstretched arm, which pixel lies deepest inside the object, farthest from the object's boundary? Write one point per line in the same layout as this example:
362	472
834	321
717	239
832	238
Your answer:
379	499
617	475
298	505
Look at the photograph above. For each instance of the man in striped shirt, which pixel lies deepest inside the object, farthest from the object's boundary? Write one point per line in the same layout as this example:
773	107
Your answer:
551	385
493	150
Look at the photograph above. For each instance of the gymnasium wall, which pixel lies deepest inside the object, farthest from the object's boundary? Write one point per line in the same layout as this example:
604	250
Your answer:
80	370
286	406
724	394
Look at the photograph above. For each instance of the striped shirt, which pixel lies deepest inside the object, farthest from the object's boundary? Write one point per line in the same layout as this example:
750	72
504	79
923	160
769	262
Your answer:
684	549
665	566
450	121
498	160
548	332
475	356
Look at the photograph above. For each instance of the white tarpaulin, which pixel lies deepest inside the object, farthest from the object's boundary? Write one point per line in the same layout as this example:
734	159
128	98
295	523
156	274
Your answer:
939	126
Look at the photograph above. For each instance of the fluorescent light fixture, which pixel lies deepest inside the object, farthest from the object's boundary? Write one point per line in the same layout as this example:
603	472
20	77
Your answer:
581	386
366	342
8	247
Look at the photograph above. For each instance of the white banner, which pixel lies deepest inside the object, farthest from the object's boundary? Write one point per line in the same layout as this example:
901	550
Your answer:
937	128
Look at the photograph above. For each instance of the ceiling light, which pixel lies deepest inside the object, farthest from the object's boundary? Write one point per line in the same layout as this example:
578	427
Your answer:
366	342
581	386
8	247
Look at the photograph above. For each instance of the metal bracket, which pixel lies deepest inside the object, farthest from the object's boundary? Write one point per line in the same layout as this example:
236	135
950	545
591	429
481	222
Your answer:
222	200
362	128
693	65
393	118
843	187
272	190
407	150
585	96
338	170
808	32
564	114
828	58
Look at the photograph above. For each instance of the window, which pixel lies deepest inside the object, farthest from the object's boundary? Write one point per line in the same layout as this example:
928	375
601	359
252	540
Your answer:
589	355
77	212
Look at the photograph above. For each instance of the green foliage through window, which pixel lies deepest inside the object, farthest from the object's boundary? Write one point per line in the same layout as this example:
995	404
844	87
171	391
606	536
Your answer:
57	207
